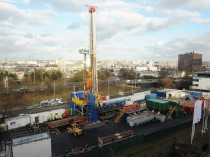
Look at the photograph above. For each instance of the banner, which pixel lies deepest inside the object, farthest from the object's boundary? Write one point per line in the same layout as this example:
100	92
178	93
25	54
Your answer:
196	116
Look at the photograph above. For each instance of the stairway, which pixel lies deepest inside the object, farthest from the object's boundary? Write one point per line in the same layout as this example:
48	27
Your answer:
120	114
170	112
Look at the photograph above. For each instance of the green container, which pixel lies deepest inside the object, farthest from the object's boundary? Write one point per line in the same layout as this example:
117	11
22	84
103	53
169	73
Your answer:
158	104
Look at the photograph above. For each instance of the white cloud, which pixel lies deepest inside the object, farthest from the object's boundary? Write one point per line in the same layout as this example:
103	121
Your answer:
125	30
10	14
179	45
26	1
192	4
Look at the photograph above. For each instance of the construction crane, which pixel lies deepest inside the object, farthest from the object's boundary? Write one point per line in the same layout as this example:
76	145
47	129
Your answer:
88	98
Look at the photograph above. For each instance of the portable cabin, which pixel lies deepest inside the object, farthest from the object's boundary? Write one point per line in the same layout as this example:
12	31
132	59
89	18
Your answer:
17	122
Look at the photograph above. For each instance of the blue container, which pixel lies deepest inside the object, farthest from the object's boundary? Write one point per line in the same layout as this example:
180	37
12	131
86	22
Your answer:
151	96
194	94
159	94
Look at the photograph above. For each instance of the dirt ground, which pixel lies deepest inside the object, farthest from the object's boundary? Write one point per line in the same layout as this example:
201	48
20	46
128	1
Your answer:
174	144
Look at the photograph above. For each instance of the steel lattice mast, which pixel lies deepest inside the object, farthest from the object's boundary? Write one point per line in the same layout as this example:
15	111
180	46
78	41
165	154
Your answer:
93	64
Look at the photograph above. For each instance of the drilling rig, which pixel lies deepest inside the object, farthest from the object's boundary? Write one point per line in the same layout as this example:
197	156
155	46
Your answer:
85	102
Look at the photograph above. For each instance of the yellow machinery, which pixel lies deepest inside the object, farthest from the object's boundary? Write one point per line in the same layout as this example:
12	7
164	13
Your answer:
75	129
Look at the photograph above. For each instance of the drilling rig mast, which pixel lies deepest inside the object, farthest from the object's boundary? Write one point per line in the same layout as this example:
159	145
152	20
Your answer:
88	98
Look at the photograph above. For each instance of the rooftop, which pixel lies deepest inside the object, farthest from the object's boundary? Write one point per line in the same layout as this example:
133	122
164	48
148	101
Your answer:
29	136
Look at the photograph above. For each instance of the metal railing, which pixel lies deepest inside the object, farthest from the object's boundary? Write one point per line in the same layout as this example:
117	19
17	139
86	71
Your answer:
30	136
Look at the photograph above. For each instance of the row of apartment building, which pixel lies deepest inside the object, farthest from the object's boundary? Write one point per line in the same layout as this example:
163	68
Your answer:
70	67
189	62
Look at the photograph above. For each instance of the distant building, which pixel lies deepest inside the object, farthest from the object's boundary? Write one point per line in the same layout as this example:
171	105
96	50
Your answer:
170	71
201	81
190	62
170	64
19	74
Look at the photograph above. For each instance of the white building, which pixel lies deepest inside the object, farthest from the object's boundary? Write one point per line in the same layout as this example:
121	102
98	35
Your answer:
201	81
36	144
153	68
141	68
20	74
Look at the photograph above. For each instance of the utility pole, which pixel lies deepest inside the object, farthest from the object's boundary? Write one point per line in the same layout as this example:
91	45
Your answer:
135	79
108	86
42	78
34	77
54	89
132	86
34	81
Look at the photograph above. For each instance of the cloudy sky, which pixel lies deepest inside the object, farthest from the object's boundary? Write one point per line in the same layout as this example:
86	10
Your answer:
126	29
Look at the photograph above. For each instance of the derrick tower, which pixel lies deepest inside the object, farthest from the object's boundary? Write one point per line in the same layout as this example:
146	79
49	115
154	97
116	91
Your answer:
93	66
85	102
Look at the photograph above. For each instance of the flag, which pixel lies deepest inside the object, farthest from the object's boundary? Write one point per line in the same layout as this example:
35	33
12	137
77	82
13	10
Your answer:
196	116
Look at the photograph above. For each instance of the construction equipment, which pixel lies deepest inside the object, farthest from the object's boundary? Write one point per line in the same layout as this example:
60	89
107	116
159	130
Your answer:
75	129
88	99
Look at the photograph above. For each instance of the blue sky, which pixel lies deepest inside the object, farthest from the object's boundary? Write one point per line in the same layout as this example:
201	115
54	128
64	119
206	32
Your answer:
133	30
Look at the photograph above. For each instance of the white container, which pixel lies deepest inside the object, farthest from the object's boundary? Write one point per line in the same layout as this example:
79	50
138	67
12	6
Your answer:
3	127
33	117
58	111
17	122
43	116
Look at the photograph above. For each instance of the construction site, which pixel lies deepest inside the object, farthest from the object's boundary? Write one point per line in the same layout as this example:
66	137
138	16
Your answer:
97	125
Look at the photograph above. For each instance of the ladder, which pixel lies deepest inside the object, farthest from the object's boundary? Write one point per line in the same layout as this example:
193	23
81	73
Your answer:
170	112
120	114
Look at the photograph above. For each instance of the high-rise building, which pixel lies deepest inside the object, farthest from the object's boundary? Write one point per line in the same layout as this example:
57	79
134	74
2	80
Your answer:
190	62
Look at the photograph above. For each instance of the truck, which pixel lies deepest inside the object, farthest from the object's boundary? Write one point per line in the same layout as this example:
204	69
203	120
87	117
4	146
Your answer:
75	129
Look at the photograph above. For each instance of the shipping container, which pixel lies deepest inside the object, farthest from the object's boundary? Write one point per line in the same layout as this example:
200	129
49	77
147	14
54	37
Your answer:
194	94
188	106
34	118
157	104
160	94
175	94
17	122
151	96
